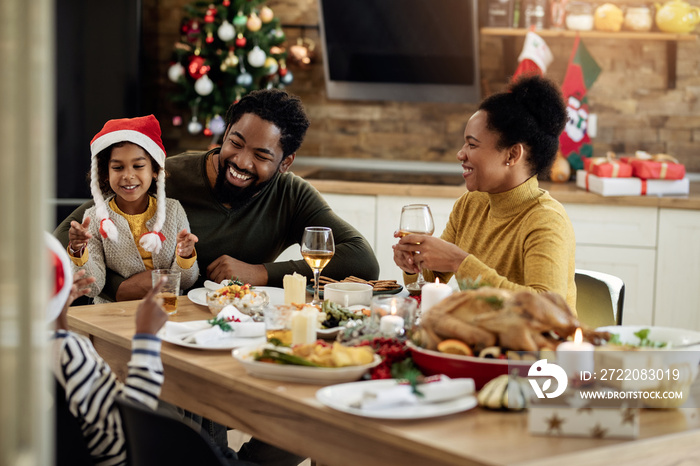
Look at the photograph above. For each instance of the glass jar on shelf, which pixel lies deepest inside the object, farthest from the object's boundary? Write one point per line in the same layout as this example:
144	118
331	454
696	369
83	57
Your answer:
579	16
638	18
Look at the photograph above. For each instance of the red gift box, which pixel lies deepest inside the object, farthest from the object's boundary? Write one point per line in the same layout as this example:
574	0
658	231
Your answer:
607	167
655	167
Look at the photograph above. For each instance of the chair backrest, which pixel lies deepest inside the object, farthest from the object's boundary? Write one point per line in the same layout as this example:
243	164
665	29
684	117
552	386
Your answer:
599	298
70	447
154	438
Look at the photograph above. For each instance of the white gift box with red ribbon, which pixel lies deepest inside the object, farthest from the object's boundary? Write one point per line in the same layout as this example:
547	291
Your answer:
631	186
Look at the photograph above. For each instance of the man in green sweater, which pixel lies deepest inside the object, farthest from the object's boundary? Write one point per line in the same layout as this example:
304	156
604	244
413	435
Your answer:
245	207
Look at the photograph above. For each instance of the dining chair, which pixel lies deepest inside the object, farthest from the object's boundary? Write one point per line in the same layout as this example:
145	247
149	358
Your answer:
70	447
154	438
599	298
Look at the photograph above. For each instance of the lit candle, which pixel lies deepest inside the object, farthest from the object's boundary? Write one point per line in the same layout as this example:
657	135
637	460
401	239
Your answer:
390	323
576	356
433	293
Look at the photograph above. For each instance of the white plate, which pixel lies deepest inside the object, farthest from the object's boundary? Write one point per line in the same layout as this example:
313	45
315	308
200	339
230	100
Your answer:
328	333
340	397
300	374
199	295
222	344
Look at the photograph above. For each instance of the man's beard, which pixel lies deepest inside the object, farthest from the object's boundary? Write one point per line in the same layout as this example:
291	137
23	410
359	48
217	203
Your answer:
237	197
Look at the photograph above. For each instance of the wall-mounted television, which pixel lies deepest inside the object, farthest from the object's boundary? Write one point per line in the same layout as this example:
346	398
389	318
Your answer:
404	50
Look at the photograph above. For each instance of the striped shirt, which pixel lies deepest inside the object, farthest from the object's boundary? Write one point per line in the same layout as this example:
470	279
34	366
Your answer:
91	388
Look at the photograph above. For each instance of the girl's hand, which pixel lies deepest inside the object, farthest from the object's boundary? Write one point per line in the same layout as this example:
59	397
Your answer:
150	315
78	236
81	286
185	244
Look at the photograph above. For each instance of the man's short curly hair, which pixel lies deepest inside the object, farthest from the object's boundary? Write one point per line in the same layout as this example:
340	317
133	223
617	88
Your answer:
531	111
279	108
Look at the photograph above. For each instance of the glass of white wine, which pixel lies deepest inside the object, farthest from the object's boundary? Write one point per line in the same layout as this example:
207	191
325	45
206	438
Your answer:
317	249
416	218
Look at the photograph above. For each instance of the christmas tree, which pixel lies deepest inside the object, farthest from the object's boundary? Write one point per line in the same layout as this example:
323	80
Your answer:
226	49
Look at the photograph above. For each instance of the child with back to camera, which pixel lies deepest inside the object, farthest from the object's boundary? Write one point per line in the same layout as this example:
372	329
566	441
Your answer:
136	229
90	385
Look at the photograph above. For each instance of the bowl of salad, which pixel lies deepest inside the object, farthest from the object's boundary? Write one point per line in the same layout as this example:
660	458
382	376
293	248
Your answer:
661	362
244	297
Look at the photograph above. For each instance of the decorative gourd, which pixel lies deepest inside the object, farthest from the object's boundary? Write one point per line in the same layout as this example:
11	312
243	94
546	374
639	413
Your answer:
505	392
561	169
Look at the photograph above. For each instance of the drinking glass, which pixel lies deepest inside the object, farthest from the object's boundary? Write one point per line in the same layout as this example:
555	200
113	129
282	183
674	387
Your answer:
170	289
416	218
317	249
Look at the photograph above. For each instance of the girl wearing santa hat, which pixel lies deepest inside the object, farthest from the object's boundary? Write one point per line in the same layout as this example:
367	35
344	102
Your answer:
132	227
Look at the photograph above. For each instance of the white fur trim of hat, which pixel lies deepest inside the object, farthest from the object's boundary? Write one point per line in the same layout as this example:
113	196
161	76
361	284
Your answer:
63	279
145	132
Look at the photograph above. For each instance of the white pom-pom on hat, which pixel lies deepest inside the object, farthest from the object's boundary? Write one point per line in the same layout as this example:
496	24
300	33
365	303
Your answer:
145	132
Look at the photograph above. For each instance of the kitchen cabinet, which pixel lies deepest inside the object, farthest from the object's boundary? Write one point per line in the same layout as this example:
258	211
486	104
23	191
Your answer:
508	36
677	301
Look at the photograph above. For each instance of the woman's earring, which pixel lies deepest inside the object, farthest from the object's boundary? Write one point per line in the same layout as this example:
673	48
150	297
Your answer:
507	163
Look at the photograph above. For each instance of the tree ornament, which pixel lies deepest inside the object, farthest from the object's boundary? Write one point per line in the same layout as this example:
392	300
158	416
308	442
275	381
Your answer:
244	79
193	32
210	38
240	20
231	59
256	57
240	41
271	65
177	120
253	24
287	79
196	67
226	31
207	132
217	125
204	86
175	72
194	126
266	14
276	34
227	3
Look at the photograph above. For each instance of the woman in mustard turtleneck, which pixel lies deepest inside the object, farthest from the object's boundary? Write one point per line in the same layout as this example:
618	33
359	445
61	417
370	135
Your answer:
505	231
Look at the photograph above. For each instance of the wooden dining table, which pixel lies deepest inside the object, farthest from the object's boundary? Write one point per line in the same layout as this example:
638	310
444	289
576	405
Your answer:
215	385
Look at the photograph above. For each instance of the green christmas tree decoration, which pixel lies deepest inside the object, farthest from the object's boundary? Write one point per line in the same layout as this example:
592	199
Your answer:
226	49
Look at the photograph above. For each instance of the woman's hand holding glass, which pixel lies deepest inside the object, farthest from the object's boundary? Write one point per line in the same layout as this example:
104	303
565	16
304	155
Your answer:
416	218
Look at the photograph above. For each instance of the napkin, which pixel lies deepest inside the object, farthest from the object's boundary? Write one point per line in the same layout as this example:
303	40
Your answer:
184	330
246	327
442	389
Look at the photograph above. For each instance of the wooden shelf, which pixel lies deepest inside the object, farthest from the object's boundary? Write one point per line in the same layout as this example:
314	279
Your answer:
508	35
591	34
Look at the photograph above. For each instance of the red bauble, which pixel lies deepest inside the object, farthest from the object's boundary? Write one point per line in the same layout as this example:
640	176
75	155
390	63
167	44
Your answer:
196	67
283	71
209	18
207	132
240	41
227	2
209	39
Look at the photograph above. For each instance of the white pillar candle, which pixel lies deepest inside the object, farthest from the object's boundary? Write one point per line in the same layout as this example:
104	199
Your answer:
389	324
433	293
576	356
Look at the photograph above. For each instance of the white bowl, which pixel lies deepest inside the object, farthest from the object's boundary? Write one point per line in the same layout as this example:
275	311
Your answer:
680	354
348	294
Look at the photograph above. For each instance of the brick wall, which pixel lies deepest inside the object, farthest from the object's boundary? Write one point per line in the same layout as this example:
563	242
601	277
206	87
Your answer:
634	107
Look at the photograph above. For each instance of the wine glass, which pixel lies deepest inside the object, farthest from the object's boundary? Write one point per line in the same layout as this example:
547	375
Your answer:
317	248
416	218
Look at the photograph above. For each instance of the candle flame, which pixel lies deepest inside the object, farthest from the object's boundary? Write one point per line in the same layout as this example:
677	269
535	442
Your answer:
393	309
437	281
578	336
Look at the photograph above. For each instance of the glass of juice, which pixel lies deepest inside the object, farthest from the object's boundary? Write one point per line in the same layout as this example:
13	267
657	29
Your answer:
170	290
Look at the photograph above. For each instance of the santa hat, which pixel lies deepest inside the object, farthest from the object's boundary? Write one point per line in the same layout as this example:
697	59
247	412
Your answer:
145	132
63	280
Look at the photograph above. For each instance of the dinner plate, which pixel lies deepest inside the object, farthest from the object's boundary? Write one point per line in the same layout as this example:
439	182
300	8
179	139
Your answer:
300	374
222	344
199	295
310	289
341	397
